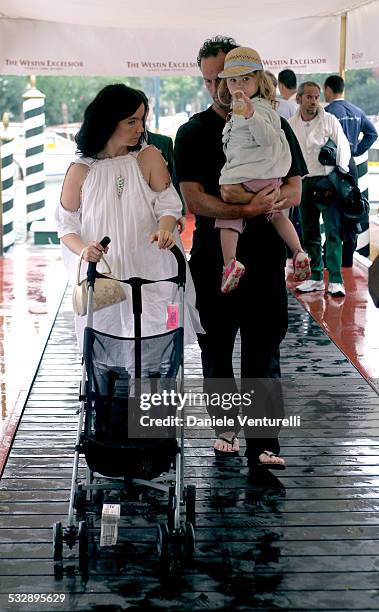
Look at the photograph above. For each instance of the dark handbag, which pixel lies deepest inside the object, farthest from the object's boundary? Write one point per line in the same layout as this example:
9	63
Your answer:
328	154
354	204
324	193
373	281
356	207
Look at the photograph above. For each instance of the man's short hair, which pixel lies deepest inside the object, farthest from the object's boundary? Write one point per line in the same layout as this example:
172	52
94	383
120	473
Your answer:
302	86
287	78
336	83
212	47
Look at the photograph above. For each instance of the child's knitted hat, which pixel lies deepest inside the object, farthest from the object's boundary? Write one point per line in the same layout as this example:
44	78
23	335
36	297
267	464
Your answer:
240	61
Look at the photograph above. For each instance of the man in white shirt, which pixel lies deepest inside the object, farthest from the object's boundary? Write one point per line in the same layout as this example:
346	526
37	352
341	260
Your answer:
313	128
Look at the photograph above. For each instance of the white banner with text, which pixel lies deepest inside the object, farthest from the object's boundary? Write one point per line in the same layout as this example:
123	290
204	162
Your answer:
362	49
46	48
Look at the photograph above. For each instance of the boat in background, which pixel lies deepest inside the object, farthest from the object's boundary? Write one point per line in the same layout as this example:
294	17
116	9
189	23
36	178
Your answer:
60	152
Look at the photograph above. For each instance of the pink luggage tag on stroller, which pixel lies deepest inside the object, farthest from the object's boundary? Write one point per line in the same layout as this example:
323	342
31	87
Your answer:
172	316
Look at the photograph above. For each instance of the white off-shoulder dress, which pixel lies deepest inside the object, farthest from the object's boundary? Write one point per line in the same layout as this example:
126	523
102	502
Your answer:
116	201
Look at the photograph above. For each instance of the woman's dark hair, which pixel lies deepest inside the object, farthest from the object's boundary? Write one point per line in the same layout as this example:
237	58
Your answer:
111	105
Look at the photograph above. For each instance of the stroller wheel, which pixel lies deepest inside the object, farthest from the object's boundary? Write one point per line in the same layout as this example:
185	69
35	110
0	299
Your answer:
58	570
57	542
162	541
189	541
190	498
80	498
83	545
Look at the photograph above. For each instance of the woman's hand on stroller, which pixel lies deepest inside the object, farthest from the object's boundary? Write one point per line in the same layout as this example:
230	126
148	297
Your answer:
164	234
165	239
93	251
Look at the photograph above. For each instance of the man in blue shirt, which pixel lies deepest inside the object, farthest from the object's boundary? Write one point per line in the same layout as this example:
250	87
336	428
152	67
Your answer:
352	119
354	122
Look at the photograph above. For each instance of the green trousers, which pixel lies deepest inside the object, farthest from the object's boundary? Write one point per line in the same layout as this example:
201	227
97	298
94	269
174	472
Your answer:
310	223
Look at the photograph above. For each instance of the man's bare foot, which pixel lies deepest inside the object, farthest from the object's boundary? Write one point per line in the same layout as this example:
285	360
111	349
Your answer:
227	442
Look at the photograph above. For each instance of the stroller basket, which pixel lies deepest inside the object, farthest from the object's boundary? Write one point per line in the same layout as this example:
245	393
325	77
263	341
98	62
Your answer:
113	401
145	459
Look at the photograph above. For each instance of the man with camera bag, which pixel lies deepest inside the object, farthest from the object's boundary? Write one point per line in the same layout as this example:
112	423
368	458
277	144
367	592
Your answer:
314	129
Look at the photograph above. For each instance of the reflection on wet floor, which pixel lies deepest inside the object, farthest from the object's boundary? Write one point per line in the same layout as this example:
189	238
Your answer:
31	284
352	322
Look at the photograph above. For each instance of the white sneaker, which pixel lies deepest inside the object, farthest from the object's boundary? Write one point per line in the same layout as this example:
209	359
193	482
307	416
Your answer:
336	289
311	285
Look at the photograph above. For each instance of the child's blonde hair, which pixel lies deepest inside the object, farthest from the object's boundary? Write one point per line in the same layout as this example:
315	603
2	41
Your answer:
266	89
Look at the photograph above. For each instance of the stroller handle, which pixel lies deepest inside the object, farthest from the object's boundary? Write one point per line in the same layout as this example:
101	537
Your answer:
91	270
180	260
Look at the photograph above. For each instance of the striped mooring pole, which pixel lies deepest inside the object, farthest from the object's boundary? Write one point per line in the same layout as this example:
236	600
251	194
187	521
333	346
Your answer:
34	124
6	187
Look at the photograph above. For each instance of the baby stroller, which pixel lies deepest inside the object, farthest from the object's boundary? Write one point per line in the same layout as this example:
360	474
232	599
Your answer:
115	372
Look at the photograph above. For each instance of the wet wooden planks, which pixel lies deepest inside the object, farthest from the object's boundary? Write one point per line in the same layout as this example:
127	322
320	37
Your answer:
307	540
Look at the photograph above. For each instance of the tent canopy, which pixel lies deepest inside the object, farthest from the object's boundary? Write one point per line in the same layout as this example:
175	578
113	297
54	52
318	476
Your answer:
130	37
171	13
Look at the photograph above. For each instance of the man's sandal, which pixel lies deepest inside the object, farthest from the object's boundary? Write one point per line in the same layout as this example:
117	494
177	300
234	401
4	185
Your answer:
301	266
230	441
268	464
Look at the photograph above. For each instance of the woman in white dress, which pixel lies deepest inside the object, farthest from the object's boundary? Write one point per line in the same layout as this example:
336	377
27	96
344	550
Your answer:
120	187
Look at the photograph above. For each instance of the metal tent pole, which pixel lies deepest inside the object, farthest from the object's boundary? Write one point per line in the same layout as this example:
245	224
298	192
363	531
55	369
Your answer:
343	45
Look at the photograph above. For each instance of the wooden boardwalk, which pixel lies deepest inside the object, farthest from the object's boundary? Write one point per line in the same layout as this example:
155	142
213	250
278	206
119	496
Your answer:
307	540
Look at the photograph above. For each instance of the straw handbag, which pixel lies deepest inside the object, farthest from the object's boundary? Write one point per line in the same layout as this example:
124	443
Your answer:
108	291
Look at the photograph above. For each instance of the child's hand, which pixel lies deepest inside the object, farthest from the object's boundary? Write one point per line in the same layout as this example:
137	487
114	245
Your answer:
238	103
242	104
181	224
249	106
164	238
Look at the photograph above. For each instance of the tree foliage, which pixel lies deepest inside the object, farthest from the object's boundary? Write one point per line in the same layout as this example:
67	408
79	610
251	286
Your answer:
182	91
67	97
361	88
11	90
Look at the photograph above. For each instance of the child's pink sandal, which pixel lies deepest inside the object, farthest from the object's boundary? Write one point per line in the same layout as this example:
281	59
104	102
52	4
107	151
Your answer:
301	266
231	275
